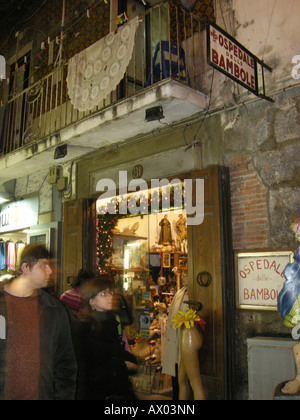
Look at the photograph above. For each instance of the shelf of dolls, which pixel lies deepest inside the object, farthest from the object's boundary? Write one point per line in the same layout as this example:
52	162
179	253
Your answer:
129	258
176	258
127	270
129	237
134	282
149	351
136	270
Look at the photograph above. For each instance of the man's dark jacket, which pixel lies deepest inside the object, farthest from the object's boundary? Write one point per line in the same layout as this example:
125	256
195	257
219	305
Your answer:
58	368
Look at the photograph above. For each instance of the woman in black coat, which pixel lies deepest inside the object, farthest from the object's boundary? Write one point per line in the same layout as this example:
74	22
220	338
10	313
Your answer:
102	360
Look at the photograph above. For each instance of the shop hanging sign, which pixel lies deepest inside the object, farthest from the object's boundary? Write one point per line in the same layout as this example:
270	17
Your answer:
260	278
229	57
19	215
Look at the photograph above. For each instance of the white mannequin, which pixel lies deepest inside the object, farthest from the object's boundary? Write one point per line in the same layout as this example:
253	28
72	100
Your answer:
172	342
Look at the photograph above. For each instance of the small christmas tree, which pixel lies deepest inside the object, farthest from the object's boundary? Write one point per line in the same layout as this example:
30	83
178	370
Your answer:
105	225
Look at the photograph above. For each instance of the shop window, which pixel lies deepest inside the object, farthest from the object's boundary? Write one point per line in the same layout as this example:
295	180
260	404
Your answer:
146	255
11	247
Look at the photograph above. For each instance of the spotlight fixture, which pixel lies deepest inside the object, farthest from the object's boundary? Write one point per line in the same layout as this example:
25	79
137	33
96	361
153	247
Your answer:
61	151
154	114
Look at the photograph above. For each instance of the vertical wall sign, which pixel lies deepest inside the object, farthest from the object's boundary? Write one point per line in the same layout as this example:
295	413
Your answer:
229	57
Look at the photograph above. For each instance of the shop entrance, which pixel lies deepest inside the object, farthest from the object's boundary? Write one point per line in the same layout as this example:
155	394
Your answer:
149	263
146	255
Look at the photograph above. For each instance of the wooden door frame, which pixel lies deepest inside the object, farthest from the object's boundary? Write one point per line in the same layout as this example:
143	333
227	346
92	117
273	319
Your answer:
228	289
84	232
228	280
222	196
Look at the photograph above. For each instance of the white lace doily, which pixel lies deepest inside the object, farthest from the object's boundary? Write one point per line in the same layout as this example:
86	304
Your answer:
96	71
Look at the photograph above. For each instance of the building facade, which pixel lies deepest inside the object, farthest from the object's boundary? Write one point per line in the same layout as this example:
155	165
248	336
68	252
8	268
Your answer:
160	121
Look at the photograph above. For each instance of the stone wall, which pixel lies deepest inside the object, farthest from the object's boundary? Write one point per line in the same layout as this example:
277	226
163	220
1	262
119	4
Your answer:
36	183
259	142
262	149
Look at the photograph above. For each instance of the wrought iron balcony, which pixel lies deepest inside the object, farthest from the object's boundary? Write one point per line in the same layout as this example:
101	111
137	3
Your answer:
167	47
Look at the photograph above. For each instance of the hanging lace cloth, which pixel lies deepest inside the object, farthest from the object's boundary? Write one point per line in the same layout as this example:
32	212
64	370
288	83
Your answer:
96	71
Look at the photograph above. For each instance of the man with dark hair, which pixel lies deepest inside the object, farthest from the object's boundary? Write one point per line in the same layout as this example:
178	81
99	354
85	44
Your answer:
32	253
37	360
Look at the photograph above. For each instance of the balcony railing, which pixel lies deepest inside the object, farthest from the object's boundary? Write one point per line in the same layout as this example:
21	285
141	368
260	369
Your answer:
168	32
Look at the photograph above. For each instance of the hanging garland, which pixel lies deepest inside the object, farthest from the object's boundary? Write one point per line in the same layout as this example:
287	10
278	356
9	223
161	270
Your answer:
106	221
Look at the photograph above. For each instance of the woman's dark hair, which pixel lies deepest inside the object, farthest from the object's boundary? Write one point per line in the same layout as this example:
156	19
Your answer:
90	289
81	277
93	287
124	312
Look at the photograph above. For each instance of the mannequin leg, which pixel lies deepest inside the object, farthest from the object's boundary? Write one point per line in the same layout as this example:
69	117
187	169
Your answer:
191	343
183	382
192	368
197	386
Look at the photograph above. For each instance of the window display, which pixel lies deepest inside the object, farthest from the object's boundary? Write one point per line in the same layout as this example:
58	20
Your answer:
11	247
146	255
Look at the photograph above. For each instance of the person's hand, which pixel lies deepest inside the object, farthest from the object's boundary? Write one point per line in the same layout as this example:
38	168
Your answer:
132	367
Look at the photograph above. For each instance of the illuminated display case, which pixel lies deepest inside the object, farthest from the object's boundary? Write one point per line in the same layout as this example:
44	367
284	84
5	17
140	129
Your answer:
146	255
130	267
